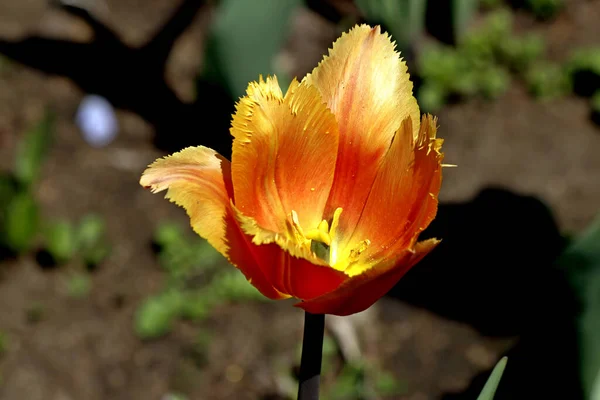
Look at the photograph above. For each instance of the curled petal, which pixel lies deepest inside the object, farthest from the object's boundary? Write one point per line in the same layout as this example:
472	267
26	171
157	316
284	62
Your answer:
361	291
290	267
404	196
195	179
199	180
367	87
284	154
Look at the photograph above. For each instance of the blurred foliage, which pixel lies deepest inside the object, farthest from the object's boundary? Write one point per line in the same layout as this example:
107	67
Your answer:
405	19
61	240
174	396
91	239
32	150
545	9
489	389
244	41
490	4
478	66
581	261
79	285
19	214
585	60
487	57
20	220
87	240
198	280
547	80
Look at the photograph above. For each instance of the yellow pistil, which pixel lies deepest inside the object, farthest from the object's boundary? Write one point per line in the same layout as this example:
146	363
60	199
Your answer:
321	241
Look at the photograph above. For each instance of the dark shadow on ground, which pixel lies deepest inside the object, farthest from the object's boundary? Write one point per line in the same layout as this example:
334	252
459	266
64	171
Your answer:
495	271
133	78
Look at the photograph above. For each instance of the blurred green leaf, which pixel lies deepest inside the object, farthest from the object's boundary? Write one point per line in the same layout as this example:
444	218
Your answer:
91	230
386	384
596	388
32	150
493	81
405	19
498	25
79	285
431	97
96	254
168	233
21	222
156	316
197	305
8	189
91	239
61	241
489	390
581	260
585	59
595	102
519	53
174	396
349	384
545	9
489	4
462	14
244	40
547	80
233	286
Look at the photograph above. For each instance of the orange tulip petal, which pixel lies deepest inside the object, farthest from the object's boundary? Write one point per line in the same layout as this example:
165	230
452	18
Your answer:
284	154
403	199
251	259
361	291
367	87
195	180
199	180
291	268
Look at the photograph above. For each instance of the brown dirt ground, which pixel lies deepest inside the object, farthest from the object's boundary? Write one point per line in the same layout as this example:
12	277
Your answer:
86	349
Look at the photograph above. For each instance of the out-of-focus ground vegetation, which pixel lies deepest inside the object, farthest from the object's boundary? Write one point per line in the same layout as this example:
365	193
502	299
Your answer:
107	293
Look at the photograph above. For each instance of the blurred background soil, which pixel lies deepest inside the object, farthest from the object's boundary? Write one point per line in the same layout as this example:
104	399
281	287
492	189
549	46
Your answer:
85	348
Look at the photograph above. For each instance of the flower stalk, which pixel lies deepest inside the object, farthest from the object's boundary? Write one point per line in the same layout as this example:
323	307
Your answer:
312	354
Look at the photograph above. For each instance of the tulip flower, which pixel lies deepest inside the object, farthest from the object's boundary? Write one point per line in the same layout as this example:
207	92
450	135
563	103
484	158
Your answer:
328	186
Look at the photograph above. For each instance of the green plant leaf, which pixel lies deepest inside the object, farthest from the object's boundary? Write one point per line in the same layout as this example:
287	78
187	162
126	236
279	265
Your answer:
462	14
595	102
489	390
8	190
545	9
168	233
581	261
156	316
32	150
79	285
244	41
91	231
61	241
405	19
21	222
547	80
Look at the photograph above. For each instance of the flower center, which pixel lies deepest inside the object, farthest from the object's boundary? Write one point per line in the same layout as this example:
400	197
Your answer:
322	241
